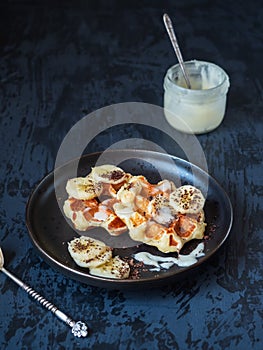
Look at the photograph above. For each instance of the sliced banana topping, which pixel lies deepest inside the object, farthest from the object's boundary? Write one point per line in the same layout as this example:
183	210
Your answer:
187	200
128	192
94	254
108	174
89	252
114	268
161	210
166	186
83	188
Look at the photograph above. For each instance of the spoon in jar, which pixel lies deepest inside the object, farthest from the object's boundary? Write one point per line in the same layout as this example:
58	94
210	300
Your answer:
169	27
79	329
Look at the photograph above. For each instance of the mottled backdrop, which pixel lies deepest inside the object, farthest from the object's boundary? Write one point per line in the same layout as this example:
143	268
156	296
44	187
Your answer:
60	60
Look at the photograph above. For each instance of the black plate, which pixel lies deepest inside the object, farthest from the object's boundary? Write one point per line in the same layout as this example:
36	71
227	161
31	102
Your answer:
50	231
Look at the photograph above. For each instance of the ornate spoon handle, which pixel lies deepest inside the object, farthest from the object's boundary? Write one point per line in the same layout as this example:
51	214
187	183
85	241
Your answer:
79	329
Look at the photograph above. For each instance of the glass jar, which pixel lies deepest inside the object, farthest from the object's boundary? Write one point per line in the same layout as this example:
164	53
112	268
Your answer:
199	109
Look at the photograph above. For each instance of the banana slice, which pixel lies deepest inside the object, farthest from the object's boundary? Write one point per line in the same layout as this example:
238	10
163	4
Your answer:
128	192
160	209
108	174
89	252
165	186
94	254
114	268
187	200
83	188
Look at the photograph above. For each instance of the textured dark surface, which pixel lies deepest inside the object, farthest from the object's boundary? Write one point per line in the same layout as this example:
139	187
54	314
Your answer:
61	60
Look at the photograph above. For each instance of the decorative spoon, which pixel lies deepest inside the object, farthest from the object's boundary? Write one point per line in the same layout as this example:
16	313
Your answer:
79	329
169	27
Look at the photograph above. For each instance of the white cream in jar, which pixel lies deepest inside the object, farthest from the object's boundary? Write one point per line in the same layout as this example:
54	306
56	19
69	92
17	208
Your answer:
201	108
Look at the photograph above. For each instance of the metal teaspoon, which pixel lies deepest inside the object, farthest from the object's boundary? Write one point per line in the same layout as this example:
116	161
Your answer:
79	329
169	27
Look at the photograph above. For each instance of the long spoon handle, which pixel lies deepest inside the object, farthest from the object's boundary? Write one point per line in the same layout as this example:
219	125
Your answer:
79	329
170	31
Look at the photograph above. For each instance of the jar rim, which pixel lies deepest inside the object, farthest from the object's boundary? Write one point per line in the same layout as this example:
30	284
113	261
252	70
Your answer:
183	90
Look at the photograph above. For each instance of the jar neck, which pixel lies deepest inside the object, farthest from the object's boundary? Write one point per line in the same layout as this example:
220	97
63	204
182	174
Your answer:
215	80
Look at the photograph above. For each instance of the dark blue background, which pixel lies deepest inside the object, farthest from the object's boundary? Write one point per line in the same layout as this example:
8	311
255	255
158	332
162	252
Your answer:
61	60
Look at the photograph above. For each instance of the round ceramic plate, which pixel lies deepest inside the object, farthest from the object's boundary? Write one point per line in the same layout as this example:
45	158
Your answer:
50	231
